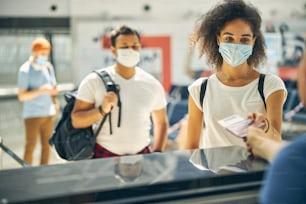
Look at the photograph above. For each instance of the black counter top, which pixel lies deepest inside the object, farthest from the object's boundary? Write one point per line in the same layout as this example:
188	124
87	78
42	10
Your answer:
152	176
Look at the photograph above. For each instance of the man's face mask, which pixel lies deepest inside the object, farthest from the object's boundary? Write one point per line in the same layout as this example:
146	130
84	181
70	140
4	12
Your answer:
235	54
128	57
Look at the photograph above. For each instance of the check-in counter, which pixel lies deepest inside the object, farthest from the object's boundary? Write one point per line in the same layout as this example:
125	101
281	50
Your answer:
216	175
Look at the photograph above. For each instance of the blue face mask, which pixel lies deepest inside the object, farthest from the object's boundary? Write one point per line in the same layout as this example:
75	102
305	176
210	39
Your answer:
41	60
235	54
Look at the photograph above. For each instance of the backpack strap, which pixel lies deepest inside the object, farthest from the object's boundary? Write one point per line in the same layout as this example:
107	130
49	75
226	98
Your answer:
260	88
110	85
203	90
101	124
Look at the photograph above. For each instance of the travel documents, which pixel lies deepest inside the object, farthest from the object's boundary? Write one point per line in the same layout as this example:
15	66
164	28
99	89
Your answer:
238	125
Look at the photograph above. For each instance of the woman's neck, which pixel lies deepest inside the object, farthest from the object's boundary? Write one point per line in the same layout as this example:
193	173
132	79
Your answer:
235	73
237	76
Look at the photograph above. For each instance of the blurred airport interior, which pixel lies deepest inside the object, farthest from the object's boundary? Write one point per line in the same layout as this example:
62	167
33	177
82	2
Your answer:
78	31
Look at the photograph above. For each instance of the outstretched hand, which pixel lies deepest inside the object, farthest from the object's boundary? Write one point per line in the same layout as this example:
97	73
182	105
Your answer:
260	145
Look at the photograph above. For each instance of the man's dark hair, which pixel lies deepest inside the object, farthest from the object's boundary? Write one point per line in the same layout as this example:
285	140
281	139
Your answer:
122	30
211	23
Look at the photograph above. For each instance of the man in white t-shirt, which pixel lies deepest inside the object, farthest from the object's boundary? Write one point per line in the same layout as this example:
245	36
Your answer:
142	96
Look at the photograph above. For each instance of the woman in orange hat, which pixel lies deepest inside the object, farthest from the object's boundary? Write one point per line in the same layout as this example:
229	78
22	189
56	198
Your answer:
36	86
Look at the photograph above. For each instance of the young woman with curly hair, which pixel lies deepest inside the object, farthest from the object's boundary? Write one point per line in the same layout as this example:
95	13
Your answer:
229	36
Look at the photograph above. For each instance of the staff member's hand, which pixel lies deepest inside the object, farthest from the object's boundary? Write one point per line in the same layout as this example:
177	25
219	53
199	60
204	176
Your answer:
260	145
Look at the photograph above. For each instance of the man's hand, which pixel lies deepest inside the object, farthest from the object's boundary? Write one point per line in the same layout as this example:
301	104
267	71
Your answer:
109	101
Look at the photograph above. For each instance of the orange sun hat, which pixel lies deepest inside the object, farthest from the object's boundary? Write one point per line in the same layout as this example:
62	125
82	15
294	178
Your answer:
40	44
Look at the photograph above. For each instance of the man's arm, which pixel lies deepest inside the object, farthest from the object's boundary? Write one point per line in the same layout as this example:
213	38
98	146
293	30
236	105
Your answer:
160	122
84	114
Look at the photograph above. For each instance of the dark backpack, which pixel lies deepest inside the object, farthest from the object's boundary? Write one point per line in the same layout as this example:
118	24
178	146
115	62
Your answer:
77	144
259	88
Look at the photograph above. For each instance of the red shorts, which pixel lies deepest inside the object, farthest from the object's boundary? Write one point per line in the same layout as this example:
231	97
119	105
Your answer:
101	152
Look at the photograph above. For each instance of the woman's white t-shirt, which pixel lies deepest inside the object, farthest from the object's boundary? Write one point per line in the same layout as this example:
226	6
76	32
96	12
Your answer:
221	101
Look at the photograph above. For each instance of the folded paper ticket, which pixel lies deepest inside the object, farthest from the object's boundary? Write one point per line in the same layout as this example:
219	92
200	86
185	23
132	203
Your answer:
238	125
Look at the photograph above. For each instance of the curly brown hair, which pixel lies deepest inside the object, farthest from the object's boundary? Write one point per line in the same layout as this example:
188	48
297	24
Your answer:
208	27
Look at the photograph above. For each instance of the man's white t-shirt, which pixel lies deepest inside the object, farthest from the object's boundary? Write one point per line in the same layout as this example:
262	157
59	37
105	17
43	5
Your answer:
221	101
140	95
